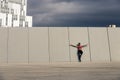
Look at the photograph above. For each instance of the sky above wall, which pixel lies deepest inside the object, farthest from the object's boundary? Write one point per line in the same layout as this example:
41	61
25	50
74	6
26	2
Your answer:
74	12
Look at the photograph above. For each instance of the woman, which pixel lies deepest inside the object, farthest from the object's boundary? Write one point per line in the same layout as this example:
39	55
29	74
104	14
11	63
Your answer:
79	50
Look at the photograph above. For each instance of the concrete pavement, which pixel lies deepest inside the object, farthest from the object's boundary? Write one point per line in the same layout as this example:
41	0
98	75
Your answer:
60	71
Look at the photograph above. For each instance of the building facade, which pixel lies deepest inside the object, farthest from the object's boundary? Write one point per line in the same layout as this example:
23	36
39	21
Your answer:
13	13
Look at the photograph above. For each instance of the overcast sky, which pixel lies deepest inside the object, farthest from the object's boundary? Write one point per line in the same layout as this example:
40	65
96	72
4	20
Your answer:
74	12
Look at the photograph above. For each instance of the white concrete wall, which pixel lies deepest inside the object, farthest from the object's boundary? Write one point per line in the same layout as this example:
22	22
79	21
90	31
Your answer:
9	20
43	44
29	20
18	45
76	35
16	23
3	45
59	44
3	17
16	1
38	45
16	8
114	37
99	45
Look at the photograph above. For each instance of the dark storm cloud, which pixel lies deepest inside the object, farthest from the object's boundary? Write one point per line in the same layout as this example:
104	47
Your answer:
74	12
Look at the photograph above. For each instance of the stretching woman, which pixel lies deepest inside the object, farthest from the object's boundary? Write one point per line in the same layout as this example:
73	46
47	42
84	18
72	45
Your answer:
79	50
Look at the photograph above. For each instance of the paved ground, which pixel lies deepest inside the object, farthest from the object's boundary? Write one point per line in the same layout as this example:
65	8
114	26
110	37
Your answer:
61	71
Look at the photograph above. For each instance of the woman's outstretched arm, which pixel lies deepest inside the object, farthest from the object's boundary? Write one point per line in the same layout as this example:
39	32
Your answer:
73	45
84	45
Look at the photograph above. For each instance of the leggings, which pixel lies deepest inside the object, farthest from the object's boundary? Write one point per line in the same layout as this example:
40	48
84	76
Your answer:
79	54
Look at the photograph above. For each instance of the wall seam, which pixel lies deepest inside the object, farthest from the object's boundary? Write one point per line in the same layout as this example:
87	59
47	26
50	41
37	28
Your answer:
109	44
89	44
49	45
69	43
7	43
28	45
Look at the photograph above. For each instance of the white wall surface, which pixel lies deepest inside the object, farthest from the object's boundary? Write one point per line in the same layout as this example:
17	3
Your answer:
16	8
99	45
114	37
3	17
43	44
25	10
18	45
3	45
16	1
16	23
59	44
79	34
29	20
9	20
38	45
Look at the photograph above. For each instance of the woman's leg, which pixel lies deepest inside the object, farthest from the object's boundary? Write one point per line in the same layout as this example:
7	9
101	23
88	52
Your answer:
79	56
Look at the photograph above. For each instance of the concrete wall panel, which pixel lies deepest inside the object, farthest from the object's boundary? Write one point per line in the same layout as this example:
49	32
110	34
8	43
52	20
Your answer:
99	45
18	45
114	37
59	44
79	34
34	45
38	45
3	45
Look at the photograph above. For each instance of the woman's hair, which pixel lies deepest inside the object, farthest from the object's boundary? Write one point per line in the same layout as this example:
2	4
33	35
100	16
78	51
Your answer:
78	44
